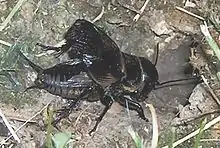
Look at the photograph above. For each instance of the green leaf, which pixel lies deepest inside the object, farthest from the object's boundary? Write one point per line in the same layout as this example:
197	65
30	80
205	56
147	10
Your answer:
60	140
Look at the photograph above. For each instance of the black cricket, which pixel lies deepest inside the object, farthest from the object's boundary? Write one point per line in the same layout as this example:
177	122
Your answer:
98	71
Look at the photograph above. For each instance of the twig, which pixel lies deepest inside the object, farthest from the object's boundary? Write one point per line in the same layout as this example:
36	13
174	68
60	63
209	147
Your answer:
129	7
190	13
38	5
154	140
137	16
21	120
99	16
210	90
13	134
11	14
187	120
208	140
4	141
208	125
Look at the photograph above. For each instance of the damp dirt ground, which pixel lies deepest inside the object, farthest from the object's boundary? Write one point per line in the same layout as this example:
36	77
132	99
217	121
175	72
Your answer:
46	22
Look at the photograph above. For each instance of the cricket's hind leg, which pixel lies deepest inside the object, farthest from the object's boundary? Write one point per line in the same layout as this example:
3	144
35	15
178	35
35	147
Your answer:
59	49
65	111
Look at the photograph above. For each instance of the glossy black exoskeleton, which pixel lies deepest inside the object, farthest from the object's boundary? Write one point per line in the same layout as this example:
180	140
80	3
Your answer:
83	39
68	80
89	43
112	74
119	74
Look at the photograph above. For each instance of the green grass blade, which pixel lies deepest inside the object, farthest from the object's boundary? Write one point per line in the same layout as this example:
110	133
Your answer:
137	139
198	137
49	129
173	136
210	40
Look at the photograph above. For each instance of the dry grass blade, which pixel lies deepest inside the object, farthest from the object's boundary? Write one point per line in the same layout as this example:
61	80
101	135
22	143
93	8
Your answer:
137	16
5	43
30	119
154	140
99	16
190	13
13	134
208	125
11	14
210	90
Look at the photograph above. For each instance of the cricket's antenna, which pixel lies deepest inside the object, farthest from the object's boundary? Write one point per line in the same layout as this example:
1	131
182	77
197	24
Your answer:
156	54
161	85
34	66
